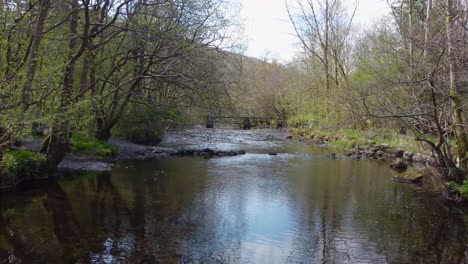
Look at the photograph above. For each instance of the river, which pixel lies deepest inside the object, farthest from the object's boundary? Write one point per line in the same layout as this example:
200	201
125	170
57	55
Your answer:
295	207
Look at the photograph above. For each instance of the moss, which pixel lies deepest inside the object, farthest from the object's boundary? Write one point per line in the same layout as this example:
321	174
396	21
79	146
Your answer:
84	145
21	161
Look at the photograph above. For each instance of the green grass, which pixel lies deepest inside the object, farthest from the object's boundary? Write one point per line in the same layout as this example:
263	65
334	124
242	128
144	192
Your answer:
89	146
21	160
348	138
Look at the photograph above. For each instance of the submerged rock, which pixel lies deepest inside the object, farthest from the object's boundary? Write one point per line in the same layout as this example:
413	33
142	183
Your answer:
409	177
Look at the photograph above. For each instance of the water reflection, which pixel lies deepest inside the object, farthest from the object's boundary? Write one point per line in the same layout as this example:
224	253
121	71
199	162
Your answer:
254	208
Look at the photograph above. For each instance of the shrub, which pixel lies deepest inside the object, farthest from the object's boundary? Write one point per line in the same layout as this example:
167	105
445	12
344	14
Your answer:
300	120
464	189
85	145
21	161
143	135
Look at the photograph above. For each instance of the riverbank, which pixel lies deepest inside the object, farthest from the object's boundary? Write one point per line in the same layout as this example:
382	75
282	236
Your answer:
409	166
357	146
85	161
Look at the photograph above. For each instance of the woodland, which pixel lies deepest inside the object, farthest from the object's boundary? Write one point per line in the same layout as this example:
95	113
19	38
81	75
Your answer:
85	71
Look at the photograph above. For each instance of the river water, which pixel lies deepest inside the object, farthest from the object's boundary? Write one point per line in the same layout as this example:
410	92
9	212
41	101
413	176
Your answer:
296	207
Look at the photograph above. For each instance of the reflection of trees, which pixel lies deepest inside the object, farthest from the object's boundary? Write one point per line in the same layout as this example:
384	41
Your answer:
344	211
66	227
63	222
17	246
357	213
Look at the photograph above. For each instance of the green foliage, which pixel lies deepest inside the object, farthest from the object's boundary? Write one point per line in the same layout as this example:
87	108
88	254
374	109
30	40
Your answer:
145	125
143	135
300	120
20	161
464	189
90	146
456	188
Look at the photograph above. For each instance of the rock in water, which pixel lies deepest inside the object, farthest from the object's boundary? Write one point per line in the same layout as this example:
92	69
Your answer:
399	164
409	177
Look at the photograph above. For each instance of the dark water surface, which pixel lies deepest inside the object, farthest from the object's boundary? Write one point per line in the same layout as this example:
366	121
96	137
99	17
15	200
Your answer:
255	208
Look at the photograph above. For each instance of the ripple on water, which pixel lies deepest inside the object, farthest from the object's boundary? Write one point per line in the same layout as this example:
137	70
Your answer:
253	208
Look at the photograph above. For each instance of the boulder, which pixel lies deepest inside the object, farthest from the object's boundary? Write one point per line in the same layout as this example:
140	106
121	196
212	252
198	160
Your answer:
419	158
407	155
409	177
399	153
373	149
399	164
379	153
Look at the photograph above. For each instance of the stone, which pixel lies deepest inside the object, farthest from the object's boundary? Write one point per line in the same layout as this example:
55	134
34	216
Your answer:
399	153
409	177
383	146
379	153
289	137
399	164
419	158
272	154
208	150
408	156
373	149
241	152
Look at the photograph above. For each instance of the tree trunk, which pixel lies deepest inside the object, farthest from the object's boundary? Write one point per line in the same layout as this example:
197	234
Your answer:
103	130
459	122
34	54
56	144
410	26
325	50
427	27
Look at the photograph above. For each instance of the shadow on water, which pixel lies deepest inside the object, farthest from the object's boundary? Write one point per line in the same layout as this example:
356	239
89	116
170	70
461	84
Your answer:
255	208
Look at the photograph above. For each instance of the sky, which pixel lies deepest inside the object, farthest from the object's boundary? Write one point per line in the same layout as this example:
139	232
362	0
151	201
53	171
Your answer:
270	34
